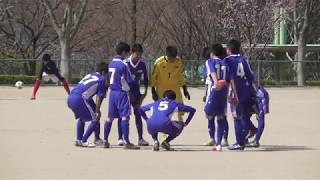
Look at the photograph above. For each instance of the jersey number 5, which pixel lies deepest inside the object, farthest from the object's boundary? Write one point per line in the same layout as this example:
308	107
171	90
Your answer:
163	105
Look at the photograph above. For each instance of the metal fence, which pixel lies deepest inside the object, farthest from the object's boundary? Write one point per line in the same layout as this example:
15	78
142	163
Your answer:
271	72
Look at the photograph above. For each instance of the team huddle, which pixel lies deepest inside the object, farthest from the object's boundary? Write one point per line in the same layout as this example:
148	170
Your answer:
229	80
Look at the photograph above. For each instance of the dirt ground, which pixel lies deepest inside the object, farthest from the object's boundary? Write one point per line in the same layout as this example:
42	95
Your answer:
37	141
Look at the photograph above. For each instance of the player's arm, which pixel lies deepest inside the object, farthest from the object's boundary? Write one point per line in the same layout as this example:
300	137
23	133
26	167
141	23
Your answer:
182	81
249	75
188	109
101	93
233	74
128	76
154	78
143	110
41	72
145	79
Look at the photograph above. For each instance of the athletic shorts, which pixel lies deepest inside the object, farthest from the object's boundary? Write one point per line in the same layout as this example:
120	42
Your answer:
119	104
83	109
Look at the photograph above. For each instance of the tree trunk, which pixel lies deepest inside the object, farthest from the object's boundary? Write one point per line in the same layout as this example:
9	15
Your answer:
133	22
65	60
300	56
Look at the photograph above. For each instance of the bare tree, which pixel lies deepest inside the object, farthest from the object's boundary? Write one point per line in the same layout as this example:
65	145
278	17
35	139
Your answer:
67	27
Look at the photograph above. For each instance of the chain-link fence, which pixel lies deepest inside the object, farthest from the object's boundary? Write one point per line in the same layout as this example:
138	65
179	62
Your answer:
270	72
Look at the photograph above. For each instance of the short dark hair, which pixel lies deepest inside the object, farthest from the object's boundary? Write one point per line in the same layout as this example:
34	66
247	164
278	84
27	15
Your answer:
169	94
234	46
46	57
206	53
218	50
122	47
102	66
171	51
137	48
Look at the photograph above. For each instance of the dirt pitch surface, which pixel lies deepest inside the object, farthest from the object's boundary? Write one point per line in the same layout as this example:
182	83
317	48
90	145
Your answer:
37	141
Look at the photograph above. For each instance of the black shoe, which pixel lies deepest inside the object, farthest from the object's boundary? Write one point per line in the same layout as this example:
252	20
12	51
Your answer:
106	145
253	144
131	146
251	133
156	146
165	145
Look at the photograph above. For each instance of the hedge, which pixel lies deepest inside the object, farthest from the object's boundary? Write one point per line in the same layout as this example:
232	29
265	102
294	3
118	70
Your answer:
12	79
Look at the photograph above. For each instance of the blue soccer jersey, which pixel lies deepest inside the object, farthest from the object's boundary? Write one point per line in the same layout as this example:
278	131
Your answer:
216	101
242	75
262	100
163	109
120	76
92	84
137	71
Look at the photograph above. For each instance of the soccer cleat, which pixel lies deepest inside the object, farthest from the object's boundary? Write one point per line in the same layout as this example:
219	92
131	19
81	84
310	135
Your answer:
156	146
33	98
87	144
77	143
131	146
224	142
165	145
235	147
121	142
212	142
106	144
253	144
98	142
251	133
143	142
217	148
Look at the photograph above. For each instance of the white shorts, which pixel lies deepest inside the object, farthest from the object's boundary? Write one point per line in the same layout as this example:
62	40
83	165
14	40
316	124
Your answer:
47	77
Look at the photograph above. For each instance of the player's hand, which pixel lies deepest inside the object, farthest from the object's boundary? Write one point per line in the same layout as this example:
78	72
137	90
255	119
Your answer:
154	94
98	115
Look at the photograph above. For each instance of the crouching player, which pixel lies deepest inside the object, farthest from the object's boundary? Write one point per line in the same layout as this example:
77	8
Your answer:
160	119
49	71
81	103
261	108
217	93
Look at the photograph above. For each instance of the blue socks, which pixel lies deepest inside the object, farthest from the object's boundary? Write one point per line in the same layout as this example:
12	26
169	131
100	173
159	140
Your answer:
107	128
260	128
239	131
92	127
80	129
125	130
119	129
211	127
97	131
221	128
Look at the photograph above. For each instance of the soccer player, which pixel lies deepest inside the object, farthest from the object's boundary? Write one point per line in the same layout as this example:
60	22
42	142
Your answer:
217	92
242	84
138	69
85	110
261	108
160	120
168	74
119	105
48	71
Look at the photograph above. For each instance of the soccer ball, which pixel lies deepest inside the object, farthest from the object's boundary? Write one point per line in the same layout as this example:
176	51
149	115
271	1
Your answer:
19	84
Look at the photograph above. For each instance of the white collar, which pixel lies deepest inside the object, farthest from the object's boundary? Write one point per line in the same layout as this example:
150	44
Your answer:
130	61
234	55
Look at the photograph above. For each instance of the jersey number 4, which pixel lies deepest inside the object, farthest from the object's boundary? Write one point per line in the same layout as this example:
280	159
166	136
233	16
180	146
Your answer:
163	105
240	70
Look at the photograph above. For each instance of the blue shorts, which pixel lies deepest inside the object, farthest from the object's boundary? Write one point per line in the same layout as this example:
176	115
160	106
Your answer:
216	103
83	109
119	104
173	128
244	107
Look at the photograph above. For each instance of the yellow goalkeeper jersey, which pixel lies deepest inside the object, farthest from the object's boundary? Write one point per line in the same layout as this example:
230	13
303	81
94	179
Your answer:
168	75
